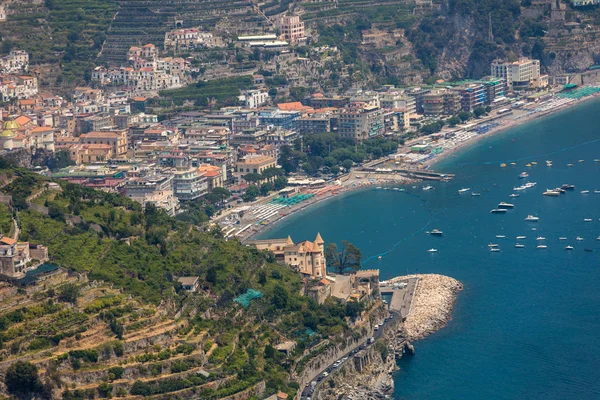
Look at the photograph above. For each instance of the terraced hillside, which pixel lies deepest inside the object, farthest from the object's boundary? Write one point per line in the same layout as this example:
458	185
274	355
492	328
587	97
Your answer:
114	321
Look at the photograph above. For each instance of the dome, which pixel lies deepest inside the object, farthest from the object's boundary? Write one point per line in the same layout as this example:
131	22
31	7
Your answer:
11	125
7	134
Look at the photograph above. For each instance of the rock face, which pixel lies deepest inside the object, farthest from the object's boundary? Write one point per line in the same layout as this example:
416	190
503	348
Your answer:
432	305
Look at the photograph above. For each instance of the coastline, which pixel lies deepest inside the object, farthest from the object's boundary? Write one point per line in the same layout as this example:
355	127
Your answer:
505	123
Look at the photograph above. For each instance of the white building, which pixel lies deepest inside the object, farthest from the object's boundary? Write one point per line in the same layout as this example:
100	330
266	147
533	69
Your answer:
524	73
254	98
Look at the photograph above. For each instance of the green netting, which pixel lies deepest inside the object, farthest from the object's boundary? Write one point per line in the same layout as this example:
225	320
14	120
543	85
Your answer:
290	201
247	297
579	93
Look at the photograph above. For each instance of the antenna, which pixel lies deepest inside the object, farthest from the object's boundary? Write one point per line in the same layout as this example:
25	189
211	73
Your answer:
490	33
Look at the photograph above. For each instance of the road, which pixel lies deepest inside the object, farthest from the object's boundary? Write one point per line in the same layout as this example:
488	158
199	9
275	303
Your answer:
309	390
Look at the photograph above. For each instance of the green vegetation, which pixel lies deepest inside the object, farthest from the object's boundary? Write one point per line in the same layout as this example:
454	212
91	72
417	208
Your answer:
5	219
346	259
68	33
217	93
22	381
327	152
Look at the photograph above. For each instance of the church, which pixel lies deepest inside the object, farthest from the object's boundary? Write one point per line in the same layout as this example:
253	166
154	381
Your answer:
306	256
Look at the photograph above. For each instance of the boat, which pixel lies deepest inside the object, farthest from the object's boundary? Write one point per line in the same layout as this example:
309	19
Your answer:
436	232
378	187
597	160
534	229
500	236
569	165
541	246
532	218
534	163
503	165
587	220
596	191
521	237
566	186
549	192
428	187
513	163
498	210
562	238
519	188
540	238
579	238
548	163
475	194
528	165
585	191
529	184
568	247
492	245
588	250
560	190
523	175
432	251
514	195
519	245
505	205
463	190
581	160
494	249
598	238
379	257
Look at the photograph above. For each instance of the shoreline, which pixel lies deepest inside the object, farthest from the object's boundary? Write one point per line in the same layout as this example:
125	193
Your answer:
506	123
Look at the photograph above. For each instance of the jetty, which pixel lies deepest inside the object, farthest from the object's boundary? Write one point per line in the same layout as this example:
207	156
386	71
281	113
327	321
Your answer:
388	173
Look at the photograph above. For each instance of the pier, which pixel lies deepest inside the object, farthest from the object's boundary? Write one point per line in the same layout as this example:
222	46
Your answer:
402	294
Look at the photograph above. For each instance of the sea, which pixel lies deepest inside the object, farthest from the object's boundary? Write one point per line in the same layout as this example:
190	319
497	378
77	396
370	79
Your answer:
527	324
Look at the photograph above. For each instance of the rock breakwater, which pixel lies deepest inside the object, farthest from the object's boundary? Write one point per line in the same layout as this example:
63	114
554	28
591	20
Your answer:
431	306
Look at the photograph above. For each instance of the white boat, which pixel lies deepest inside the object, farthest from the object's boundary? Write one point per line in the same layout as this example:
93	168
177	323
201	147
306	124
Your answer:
587	220
569	165
567	186
514	195
541	246
530	184
548	163
579	238
428	187
492	245
475	194
532	218
521	237
505	205
598	238
523	175
540	238
581	160
519	188
500	236
436	232
596	191
432	251
562	238
585	191
494	249
568	247
463	190
519	245
498	210
549	192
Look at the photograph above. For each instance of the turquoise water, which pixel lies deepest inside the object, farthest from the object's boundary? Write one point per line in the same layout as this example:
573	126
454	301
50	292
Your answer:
526	326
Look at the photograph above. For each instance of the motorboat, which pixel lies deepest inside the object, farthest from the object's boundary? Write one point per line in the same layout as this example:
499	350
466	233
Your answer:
548	163
521	237
519	245
534	163
428	187
598	238
498	210
494	249
436	232
523	175
566	186
596	191
514	195
493	245
463	190
432	251
541	246
513	163
540	238
581	160
569	165
519	188
549	192
579	238
505	205
568	247
585	191
532	218
562	238
500	236
475	194
528	165
587	220
529	185
560	190
503	165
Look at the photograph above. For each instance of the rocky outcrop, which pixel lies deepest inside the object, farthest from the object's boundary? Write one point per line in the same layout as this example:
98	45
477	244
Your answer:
432	305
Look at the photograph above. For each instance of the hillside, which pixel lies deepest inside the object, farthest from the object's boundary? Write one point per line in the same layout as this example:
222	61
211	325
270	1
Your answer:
116	321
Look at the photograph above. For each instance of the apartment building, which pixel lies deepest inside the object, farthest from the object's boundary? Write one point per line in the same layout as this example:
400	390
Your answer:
521	74
292	29
361	123
441	102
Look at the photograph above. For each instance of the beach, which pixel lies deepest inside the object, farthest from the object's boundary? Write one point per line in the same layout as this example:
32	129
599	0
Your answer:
260	218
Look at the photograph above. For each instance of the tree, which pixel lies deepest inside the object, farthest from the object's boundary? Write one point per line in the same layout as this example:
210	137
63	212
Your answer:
272	171
265	188
280	297
253	177
347	164
68	293
21	379
280	182
465	116
346	259
454	121
251	194
478	112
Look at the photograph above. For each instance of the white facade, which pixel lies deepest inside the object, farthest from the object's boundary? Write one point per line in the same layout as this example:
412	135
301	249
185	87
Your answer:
520	73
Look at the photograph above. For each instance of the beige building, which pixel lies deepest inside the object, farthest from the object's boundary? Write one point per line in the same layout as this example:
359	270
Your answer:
116	139
16	258
306	256
253	165
292	29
